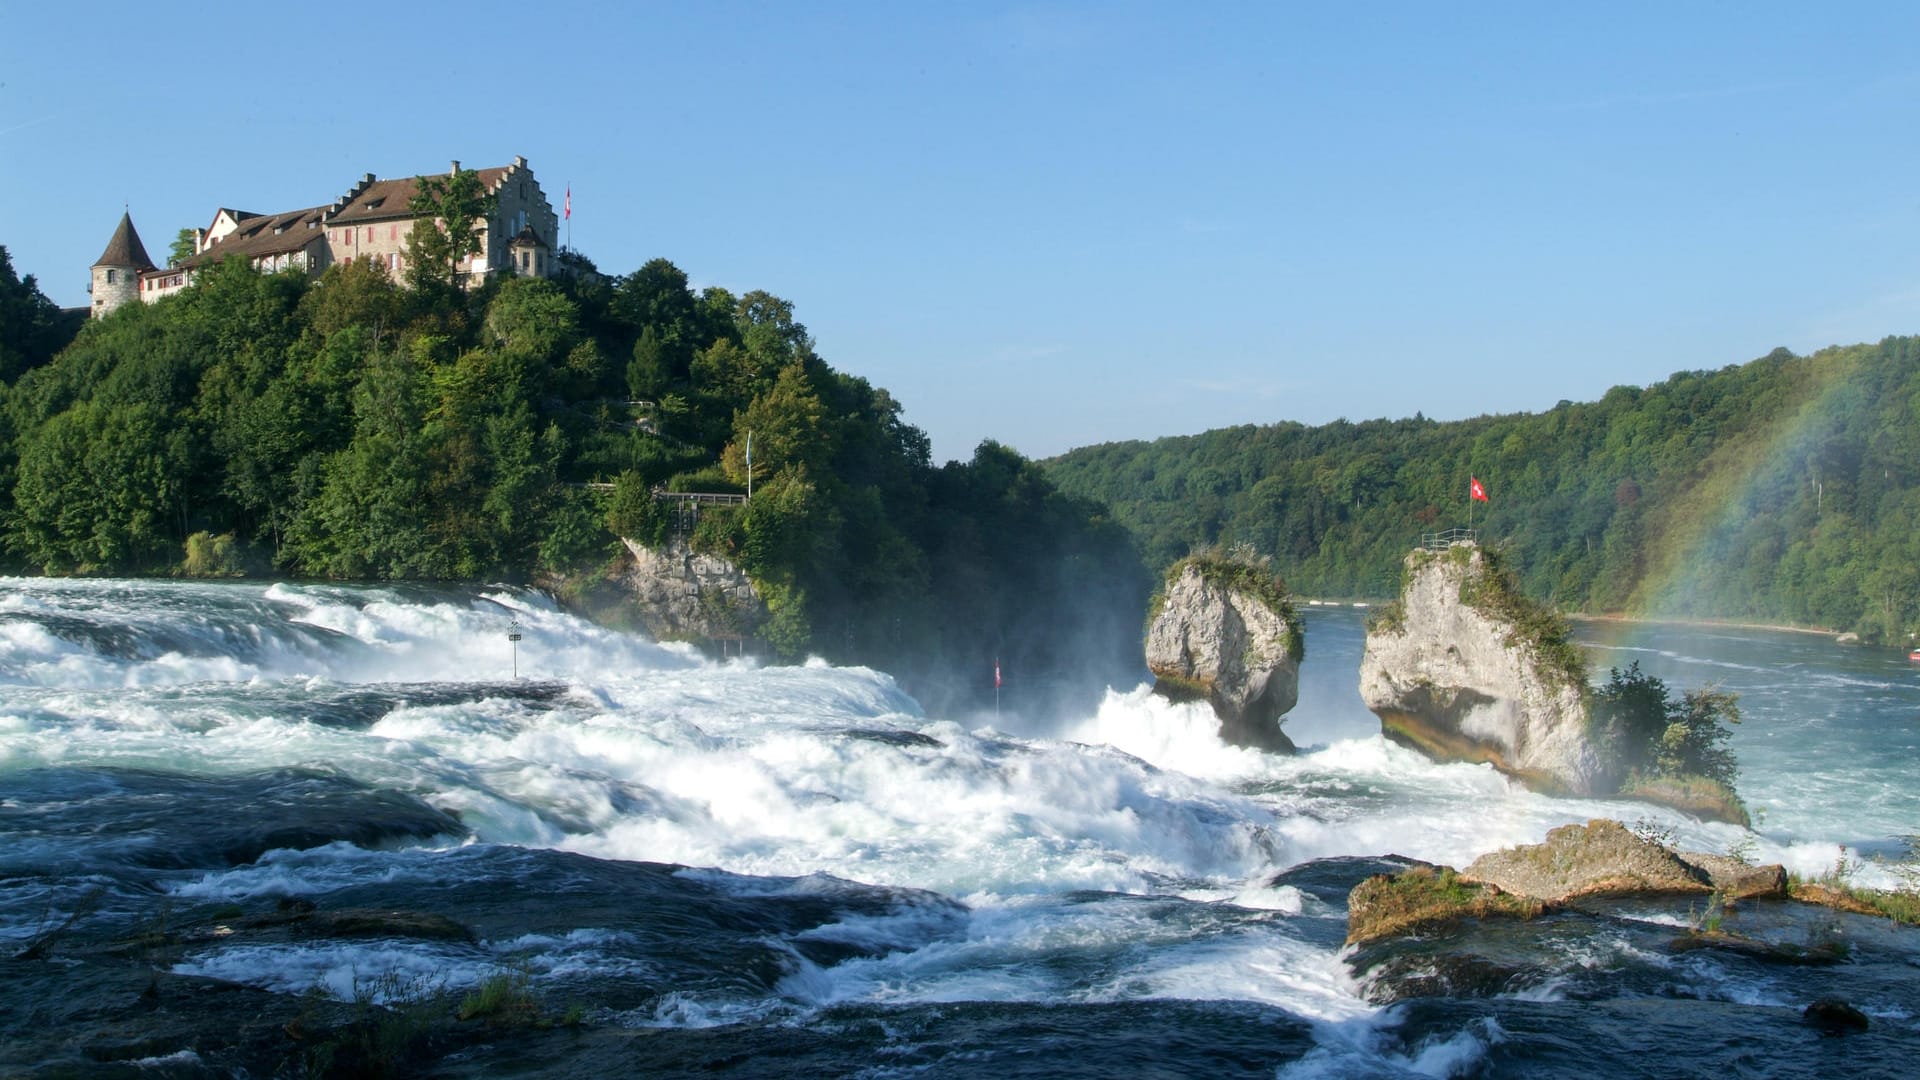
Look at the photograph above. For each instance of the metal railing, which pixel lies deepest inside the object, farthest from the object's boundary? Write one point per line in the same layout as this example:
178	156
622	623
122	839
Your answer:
1441	541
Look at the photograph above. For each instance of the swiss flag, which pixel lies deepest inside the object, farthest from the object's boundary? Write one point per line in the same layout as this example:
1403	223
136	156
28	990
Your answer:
996	674
1474	489
569	215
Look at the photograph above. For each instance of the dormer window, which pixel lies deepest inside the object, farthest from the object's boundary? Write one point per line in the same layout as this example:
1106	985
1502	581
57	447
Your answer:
374	204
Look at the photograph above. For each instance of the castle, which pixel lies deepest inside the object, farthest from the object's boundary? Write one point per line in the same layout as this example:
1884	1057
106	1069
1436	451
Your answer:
371	221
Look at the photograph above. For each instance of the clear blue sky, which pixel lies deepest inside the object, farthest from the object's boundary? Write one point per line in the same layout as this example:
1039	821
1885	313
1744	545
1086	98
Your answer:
1059	224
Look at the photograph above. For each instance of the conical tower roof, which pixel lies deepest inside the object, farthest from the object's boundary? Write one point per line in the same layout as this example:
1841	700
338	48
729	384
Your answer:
125	249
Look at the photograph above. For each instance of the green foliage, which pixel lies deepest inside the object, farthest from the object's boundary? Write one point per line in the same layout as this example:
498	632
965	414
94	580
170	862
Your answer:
182	248
346	427
215	556
1781	490
454	206
1641	730
1671	752
32	328
634	512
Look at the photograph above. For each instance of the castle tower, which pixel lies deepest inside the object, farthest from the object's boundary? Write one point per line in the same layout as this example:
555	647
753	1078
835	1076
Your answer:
116	273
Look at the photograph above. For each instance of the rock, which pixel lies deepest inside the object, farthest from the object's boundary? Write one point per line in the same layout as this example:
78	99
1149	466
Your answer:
1600	858
1736	880
1848	638
678	593
1773	952
1215	636
1835	1017
1463	668
1705	799
1422	897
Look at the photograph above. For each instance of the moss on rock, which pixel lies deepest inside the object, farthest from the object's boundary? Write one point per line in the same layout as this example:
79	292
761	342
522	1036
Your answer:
1423	897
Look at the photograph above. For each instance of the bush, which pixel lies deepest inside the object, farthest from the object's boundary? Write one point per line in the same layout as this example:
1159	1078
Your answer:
1643	734
217	556
636	514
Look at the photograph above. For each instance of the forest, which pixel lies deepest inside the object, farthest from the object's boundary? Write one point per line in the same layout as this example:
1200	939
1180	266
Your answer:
1785	490
355	427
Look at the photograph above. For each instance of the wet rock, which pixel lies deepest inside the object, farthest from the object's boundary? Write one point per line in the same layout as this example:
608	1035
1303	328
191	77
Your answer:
1773	952
1835	1017
302	917
1219	636
1463	668
1455	975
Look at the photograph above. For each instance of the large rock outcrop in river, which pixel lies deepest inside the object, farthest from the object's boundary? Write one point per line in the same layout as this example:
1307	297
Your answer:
1224	630
1464	668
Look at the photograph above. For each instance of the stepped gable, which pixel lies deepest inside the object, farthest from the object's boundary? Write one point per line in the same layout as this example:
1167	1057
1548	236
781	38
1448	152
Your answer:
125	249
373	200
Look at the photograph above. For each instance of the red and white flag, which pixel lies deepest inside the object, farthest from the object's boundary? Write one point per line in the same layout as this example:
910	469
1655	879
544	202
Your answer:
1475	490
996	673
569	214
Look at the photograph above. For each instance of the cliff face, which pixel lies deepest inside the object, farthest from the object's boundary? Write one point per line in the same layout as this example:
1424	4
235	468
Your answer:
1233	648
1461	681
677	593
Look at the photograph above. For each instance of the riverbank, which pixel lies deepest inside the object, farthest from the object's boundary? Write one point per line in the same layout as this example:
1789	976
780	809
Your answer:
1702	624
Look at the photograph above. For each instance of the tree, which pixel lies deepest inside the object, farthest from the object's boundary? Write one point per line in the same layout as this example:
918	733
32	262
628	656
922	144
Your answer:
1641	731
185	245
454	207
30	324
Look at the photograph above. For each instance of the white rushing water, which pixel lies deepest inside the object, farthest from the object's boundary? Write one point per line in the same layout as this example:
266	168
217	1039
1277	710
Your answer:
1058	841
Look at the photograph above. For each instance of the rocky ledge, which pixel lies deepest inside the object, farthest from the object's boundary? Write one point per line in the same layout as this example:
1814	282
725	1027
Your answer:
1505	924
1222	629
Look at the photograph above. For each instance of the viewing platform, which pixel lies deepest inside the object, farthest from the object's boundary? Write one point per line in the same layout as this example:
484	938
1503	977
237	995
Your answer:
1441	541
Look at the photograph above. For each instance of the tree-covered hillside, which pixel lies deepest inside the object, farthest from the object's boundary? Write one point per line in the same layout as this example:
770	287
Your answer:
352	427
1783	490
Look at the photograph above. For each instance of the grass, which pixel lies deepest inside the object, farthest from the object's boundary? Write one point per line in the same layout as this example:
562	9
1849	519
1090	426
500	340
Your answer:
1834	888
1421	897
503	998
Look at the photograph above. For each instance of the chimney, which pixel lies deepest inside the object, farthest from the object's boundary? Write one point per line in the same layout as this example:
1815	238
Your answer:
520	161
456	165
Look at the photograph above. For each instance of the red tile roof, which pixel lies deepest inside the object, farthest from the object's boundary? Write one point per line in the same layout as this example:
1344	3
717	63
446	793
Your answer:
267	234
383	200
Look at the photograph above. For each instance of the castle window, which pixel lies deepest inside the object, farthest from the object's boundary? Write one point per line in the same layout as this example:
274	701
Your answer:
109	277
369	234
393	232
